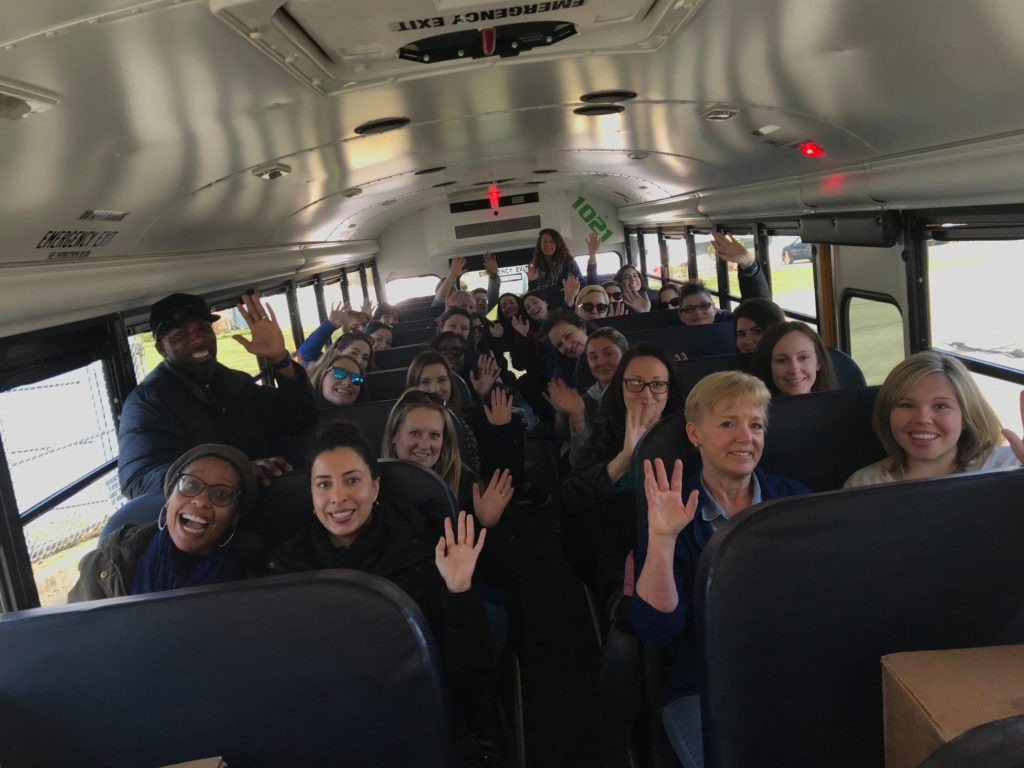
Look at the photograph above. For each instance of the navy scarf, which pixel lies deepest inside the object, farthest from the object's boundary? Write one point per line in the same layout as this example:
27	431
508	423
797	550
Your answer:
163	566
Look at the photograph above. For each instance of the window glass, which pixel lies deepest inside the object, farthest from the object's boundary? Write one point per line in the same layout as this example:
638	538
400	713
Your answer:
653	253
1004	397
747	240
333	297
56	430
677	259
368	277
960	275
792	274
634	247
402	288
308	311
355	289
707	262
608	263
876	336
59	539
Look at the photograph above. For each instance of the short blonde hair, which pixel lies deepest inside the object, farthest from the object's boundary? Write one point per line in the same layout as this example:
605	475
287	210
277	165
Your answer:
588	289
725	385
981	428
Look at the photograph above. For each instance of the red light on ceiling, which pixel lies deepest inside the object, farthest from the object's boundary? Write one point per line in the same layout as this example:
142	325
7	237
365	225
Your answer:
811	149
494	196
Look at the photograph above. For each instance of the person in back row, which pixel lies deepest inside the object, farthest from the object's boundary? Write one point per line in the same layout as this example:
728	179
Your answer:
726	419
696	307
753	317
191	399
933	421
552	263
792	359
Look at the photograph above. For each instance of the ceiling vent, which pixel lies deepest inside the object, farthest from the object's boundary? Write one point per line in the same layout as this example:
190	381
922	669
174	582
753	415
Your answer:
637	155
719	113
425	171
598	110
499	227
543	171
271	171
382	125
351	192
607	97
445	184
505	201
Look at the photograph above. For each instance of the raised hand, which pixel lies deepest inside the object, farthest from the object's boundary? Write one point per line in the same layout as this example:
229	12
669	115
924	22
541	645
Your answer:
521	325
488	374
500	411
635	429
638	301
570	287
367	307
490	504
564	398
457	266
1017	442
617	309
532	273
729	248
339	314
490	264
667	515
497	330
267	340
593	241
267	469
456	556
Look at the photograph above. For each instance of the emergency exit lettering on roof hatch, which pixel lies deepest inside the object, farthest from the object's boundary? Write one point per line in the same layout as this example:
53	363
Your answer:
476	17
76	238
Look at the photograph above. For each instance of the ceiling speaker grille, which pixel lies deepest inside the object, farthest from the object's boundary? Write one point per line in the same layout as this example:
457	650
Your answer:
500	227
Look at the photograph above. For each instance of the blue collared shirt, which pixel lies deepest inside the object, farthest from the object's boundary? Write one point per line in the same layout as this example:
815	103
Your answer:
713	513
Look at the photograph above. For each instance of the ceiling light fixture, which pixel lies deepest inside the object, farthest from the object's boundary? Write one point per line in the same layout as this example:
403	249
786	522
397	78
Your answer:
599	110
271	171
383	125
607	97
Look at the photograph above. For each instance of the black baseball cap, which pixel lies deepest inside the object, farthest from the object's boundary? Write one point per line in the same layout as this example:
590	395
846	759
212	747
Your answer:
175	309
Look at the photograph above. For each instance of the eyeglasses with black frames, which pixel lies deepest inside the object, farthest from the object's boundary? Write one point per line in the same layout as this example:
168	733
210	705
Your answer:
658	386
599	308
219	495
704	306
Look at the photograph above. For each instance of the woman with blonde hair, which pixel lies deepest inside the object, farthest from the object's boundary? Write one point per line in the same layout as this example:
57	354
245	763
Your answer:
338	380
726	420
933	421
592	303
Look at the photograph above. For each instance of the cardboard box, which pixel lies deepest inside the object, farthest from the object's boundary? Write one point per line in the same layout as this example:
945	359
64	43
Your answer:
931	697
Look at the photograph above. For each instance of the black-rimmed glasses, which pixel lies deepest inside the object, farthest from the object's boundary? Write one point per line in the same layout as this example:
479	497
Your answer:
599	308
658	386
704	306
219	495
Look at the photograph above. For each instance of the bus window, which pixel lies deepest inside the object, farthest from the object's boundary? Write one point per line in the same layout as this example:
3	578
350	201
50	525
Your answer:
371	289
961	274
333	296
308	311
792	263
403	288
55	432
653	257
678	259
876	336
608	263
355	288
707	267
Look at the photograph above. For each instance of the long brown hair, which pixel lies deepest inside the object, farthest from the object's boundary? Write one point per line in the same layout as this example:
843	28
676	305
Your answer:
761	363
561	259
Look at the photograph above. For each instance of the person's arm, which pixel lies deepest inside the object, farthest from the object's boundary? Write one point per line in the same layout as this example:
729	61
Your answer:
592	244
445	286
148	443
493	280
313	346
753	283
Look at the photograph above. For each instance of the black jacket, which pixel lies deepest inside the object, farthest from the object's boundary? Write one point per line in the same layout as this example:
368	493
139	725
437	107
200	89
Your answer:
169	413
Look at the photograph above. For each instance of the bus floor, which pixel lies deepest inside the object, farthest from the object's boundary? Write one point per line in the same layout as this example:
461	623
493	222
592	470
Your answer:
560	654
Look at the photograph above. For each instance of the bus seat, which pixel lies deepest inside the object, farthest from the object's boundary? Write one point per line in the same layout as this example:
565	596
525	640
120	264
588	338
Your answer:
819	439
848	373
408	336
139	511
998	744
397	357
386	385
799	598
418	314
407	484
659	318
371	417
250	671
689	372
693	340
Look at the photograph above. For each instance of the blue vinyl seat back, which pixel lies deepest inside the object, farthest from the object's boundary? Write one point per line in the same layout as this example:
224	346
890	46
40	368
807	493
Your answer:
139	511
799	598
848	373
408	484
320	669
397	357
371	417
659	318
386	385
692	340
419	314
406	336
689	372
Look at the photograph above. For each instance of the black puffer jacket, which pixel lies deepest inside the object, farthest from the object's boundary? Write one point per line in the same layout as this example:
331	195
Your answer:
169	413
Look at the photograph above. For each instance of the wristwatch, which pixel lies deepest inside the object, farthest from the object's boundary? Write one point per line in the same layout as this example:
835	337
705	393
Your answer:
284	362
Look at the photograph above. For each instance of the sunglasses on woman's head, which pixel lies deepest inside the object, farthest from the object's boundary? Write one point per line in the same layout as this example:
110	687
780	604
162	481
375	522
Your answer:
590	307
344	373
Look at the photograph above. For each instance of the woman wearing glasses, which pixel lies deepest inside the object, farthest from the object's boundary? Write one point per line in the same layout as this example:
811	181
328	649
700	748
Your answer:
600	494
592	303
338	380
726	419
192	543
668	297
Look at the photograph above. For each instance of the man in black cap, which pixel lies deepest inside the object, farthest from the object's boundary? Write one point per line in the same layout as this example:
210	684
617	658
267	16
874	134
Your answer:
191	399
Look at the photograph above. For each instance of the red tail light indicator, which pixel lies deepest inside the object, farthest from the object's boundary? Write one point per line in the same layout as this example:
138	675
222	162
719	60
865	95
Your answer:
810	149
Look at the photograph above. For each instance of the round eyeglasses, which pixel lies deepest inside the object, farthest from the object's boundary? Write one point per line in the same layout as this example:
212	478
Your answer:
220	495
658	386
